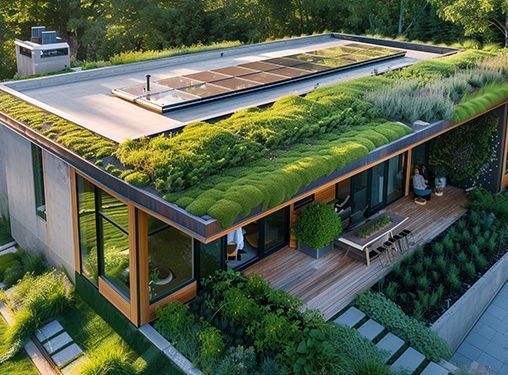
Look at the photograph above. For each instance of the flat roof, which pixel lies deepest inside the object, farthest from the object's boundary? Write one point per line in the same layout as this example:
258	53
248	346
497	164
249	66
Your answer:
86	97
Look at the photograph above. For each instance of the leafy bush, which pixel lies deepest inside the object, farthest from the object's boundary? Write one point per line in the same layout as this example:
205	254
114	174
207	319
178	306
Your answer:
276	336
13	272
111	361
389	314
317	225
481	199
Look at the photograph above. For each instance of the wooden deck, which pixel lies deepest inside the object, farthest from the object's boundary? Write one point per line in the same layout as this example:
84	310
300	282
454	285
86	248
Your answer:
332	282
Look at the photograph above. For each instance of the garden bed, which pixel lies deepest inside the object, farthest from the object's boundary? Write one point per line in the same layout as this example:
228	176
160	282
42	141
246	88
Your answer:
239	325
427	282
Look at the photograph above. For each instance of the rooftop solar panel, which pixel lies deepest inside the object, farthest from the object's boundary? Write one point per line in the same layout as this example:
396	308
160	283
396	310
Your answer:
205	90
265	77
260	65
178	82
236	83
169	97
207	76
234	71
175	92
290	72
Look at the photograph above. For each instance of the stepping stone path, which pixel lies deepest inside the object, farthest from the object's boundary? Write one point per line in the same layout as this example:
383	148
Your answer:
60	346
401	356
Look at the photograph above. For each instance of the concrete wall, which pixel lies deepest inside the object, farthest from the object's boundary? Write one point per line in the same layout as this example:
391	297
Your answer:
4	205
458	320
52	236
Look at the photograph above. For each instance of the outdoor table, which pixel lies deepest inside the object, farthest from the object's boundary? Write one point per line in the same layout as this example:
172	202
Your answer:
349	238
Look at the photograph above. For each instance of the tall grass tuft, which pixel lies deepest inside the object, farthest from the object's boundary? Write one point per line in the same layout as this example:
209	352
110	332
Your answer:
112	361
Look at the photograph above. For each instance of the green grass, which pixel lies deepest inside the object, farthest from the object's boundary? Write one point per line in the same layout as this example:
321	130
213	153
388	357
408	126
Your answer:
94	335
20	363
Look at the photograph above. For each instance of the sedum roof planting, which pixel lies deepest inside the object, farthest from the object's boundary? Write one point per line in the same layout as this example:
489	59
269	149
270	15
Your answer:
260	158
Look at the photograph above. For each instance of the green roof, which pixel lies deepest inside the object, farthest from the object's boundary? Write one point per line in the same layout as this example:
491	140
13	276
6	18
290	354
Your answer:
263	157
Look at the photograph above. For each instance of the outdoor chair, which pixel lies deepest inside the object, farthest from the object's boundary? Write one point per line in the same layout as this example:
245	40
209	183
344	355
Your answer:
406	233
232	251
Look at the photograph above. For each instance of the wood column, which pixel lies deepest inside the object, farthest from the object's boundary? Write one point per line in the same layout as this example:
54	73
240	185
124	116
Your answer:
144	299
409	167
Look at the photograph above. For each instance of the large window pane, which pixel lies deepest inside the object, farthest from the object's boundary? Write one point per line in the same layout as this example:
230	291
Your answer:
276	230
115	244
87	229
170	260
210	257
115	210
38	172
395	183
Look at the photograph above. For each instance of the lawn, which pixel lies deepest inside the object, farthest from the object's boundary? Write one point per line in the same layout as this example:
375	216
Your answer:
19	364
94	335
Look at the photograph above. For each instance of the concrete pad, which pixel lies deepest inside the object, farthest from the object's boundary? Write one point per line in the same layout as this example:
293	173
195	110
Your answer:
38	359
434	369
488	360
469	351
67	355
8	248
370	329
408	361
49	330
155	337
57	342
391	344
350	318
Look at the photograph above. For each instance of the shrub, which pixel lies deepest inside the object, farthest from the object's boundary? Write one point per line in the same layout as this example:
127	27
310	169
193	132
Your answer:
174	320
372	367
386	312
211	346
113	360
12	273
317	225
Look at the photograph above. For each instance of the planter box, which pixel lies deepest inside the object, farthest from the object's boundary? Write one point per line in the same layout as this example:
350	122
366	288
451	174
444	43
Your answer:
457	321
316	254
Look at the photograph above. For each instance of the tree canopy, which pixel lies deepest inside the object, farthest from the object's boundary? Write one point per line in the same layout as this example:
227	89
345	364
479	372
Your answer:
99	29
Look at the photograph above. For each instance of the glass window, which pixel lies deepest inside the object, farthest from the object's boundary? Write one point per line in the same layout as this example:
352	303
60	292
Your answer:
103	237
395	183
87	229
210	257
276	230
115	210
55	52
170	259
38	172
115	243
25	52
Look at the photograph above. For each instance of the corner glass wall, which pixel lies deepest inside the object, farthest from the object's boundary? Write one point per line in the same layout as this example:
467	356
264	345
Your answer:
170	259
103	237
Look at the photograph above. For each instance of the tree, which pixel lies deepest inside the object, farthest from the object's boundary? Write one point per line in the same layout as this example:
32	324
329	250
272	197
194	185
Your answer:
475	16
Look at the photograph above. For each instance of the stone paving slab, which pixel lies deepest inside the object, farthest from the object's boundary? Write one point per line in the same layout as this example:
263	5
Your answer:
391	343
56	343
434	369
155	337
350	318
48	331
370	329
408	361
8	248
67	355
38	359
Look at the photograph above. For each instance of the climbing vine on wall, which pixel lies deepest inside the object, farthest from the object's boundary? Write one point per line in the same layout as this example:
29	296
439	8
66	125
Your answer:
461	153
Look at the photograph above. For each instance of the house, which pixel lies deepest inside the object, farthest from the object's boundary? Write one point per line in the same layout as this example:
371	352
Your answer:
85	175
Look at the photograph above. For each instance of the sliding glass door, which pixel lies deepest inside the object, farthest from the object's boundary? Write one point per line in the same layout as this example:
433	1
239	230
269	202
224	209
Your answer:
377	187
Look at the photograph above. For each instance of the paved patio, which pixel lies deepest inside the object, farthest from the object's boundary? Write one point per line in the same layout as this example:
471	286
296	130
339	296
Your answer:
487	343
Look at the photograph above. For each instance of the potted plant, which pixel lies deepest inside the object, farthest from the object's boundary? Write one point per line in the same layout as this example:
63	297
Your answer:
440	177
315	228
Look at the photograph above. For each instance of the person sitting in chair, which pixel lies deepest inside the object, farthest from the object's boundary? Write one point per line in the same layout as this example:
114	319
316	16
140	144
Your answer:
420	187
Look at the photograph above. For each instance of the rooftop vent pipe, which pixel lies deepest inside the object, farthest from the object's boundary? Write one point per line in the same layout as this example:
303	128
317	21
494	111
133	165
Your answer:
148	82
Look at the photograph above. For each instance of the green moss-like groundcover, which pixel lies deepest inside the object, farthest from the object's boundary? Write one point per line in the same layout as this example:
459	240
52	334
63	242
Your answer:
256	158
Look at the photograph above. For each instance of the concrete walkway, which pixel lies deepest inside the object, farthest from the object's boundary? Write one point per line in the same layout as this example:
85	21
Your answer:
487	342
